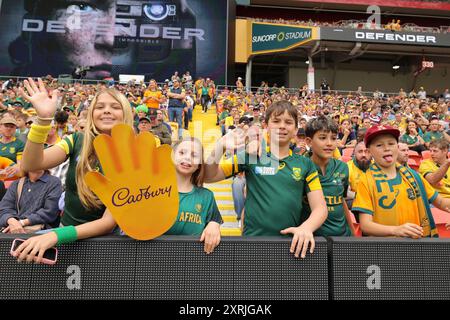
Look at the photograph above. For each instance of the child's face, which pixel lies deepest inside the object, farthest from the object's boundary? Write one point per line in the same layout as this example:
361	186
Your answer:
20	123
300	140
323	144
384	150
141	114
282	128
188	157
73	121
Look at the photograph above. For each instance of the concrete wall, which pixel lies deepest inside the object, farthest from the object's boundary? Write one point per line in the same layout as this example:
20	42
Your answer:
371	76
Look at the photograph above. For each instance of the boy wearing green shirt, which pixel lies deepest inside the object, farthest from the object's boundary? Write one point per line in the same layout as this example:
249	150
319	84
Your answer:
277	181
321	136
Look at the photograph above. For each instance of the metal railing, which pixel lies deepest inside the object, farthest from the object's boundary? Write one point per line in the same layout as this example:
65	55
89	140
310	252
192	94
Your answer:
61	80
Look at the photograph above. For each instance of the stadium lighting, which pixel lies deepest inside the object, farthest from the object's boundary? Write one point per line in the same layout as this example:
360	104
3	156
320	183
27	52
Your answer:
396	67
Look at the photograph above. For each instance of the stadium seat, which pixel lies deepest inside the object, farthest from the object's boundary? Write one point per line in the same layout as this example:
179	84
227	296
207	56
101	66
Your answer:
346	158
413	164
348	152
440	219
415	156
358	232
426	154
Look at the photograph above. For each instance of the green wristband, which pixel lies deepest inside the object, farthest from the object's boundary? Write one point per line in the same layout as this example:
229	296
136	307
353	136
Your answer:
66	235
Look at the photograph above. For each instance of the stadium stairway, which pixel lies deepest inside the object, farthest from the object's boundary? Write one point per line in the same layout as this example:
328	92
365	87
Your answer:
209	134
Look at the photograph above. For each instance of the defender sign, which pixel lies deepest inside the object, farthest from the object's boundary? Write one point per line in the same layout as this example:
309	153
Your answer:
386	36
275	37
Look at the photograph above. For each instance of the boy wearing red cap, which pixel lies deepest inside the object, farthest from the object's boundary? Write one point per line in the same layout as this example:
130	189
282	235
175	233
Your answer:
393	200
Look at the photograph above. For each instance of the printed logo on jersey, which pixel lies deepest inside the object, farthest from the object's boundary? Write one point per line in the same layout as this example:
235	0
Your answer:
198	207
297	174
265	171
411	195
388	201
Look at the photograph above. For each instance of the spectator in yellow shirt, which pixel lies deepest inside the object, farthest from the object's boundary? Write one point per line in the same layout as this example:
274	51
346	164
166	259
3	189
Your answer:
358	165
394	200
437	169
152	96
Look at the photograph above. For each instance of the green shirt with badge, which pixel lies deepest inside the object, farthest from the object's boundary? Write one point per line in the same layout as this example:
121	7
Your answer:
74	211
12	150
409	140
430	136
196	209
334	185
275	189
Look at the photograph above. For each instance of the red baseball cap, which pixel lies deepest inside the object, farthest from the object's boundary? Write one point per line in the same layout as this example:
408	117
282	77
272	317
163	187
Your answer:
380	129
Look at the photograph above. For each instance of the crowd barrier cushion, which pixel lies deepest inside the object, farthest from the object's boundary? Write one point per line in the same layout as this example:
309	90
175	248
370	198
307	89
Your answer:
169	268
389	269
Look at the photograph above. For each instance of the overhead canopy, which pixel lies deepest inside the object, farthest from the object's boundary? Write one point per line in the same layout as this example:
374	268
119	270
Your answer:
256	38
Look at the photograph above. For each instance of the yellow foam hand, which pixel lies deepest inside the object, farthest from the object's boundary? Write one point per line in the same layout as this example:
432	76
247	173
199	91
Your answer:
139	185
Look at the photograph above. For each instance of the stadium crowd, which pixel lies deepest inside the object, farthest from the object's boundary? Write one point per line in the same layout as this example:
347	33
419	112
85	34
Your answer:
335	149
394	25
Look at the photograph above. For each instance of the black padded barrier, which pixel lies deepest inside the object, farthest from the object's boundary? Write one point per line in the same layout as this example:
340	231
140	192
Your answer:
169	268
240	268
389	269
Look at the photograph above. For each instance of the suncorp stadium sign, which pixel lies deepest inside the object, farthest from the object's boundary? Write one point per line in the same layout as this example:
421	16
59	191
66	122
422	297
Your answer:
271	37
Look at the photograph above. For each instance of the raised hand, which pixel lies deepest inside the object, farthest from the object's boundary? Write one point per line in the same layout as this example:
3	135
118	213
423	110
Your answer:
233	140
139	184
37	94
254	140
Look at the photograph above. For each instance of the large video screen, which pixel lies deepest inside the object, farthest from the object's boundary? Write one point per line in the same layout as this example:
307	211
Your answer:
112	37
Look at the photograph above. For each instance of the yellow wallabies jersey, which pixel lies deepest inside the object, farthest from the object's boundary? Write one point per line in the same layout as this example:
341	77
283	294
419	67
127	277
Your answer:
429	166
391	201
355	174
